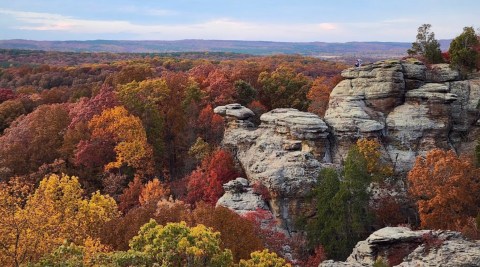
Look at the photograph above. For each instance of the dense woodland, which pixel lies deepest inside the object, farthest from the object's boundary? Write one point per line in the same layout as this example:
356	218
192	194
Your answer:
115	160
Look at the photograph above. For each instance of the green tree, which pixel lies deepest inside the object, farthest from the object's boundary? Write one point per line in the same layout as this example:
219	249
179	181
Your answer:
245	92
462	51
284	88
144	99
322	230
426	45
343	217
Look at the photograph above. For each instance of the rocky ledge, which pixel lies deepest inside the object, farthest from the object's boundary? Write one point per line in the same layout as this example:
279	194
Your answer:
401	246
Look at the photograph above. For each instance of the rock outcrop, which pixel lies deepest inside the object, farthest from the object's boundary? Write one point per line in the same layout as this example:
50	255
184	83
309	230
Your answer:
284	154
408	106
240	197
401	246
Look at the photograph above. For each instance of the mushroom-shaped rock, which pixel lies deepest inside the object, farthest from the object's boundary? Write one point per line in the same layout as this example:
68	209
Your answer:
285	155
237	111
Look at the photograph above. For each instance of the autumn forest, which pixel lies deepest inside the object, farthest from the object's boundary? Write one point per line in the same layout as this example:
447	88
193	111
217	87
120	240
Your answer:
117	160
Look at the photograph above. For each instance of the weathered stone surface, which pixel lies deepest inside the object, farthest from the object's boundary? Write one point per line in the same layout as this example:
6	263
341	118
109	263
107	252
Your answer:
428	93
414	70
297	124
332	263
350	114
240	197
234	110
440	73
410	107
285	154
404	247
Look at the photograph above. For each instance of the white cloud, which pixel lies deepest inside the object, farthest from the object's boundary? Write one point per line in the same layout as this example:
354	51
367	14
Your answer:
399	29
222	28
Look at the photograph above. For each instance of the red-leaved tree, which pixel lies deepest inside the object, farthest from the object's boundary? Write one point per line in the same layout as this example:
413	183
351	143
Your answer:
205	183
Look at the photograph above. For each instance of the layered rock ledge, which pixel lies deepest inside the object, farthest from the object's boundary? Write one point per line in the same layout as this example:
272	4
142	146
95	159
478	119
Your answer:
409	107
401	246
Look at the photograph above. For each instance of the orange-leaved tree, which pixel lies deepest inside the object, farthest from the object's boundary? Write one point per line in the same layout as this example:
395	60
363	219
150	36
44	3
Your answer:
446	189
153	191
131	146
319	93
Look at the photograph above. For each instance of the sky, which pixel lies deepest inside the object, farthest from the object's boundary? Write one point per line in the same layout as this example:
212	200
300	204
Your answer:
259	20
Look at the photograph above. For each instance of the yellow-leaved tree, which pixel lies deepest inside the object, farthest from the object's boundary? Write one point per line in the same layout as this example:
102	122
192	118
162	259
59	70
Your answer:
370	149
176	244
264	259
131	146
55	212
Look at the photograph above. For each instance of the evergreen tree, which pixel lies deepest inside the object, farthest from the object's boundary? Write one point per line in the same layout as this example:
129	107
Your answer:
245	92
343	217
426	45
463	53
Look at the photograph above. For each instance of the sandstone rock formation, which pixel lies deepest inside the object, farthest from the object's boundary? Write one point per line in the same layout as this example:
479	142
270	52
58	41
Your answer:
285	154
410	107
404	247
240	197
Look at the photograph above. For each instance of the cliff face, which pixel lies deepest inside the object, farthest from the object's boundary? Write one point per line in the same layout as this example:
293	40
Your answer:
410	108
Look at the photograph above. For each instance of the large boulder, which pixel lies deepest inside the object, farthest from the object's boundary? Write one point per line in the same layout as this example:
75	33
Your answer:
401	246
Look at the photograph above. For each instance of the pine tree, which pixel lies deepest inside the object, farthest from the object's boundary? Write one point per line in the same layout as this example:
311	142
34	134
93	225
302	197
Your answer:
462	51
426	45
343	217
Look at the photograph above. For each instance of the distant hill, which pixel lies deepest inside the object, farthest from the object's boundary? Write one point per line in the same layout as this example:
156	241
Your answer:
373	50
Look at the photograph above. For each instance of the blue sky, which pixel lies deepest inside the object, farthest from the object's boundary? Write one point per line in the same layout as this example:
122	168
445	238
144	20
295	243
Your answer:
268	20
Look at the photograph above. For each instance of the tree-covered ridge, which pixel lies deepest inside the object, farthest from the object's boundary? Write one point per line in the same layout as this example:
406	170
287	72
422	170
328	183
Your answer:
142	137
